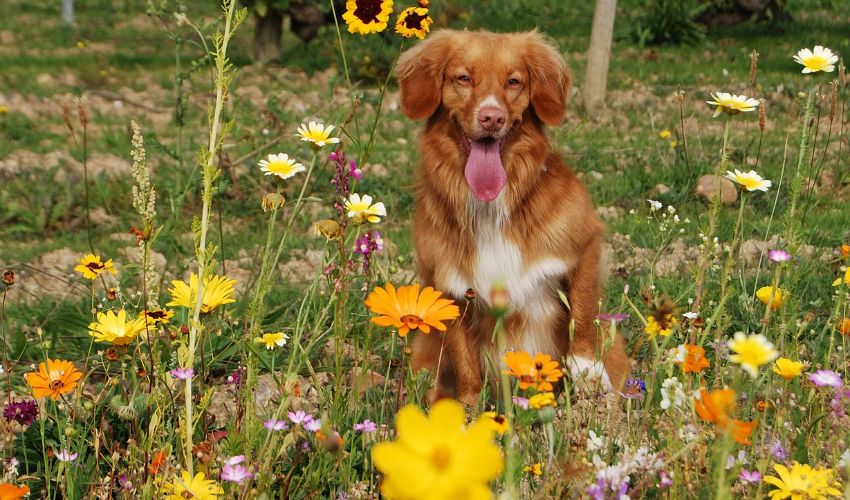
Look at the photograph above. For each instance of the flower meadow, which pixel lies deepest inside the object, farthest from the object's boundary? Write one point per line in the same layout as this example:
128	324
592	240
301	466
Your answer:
212	386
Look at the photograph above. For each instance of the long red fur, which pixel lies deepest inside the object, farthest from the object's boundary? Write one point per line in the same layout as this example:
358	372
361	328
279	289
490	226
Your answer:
550	212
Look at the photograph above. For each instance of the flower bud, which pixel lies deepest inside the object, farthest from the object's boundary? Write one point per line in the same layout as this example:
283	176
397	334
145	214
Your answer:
9	277
273	201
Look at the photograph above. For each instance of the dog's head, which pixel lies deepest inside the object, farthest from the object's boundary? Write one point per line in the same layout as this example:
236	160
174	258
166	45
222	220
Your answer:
486	82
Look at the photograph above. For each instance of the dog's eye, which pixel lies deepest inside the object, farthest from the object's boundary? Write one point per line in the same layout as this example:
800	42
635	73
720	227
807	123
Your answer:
514	82
464	79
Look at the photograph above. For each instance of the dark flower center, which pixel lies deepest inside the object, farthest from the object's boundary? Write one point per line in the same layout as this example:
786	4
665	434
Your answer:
367	10
412	321
95	266
413	21
56	385
538	366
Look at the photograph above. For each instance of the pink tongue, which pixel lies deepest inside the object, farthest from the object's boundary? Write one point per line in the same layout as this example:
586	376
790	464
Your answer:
484	171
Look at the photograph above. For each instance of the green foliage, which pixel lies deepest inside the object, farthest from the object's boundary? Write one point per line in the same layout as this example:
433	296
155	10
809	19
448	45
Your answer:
669	22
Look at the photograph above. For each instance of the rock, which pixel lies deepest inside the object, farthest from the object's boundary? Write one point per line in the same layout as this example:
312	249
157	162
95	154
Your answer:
609	212
361	381
659	189
707	186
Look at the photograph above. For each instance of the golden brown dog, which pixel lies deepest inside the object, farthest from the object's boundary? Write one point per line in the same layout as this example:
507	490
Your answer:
495	203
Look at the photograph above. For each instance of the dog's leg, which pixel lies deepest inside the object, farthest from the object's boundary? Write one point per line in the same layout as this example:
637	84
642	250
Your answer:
464	354
589	358
429	352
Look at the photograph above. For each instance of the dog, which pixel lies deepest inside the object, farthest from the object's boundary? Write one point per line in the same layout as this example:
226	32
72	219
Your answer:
496	204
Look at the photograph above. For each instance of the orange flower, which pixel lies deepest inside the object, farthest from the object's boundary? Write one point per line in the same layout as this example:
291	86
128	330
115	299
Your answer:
56	378
845	251
157	462
691	358
539	372
844	326
9	491
407	309
715	406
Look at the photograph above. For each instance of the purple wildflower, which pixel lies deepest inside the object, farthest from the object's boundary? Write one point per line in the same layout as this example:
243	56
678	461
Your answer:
778	256
749	476
613	317
597	490
182	373
275	425
299	417
23	412
366	245
366	427
665	481
235	473
777	451
355	172
237	378
826	378
313	425
520	401
125	483
634	389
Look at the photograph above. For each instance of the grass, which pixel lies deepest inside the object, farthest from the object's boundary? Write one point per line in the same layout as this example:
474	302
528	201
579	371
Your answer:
124	64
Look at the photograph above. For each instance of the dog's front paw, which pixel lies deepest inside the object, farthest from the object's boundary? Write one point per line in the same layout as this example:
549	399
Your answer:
588	374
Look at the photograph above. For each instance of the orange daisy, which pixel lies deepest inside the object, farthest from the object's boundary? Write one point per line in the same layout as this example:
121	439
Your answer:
538	372
844	326
54	379
9	491
408	309
715	406
691	358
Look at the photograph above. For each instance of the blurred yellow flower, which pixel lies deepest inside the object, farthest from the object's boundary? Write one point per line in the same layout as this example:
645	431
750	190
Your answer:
664	327
218	290
3	109
91	266
115	328
499	423
542	400
803	481
846	278
764	294
438	457
819	59
751	351
367	16
787	368
732	104
317	134
664	134
535	470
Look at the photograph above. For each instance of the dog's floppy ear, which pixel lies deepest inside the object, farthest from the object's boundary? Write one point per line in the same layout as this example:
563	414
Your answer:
420	74
550	81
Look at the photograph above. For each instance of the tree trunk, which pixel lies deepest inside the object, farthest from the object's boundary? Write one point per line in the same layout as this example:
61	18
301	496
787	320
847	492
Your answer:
267	32
68	12
599	53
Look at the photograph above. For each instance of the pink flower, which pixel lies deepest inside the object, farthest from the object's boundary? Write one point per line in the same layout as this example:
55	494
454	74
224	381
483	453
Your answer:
826	378
66	456
366	427
313	425
299	417
778	256
275	425
235	473
749	477
182	373
521	402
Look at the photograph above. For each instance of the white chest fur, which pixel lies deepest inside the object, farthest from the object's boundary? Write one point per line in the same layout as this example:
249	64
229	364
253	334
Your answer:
531	285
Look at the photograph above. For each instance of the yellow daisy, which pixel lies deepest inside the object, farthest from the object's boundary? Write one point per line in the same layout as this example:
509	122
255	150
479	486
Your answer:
542	400
281	165
197	487
272	340
751	351
115	328
819	59
157	316
499	423
732	104
317	134
361	210
534	470
218	290
413	21
751	181
439	456
367	16
91	266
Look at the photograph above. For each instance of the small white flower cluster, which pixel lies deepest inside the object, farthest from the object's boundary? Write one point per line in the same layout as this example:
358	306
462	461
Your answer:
672	394
144	195
667	219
